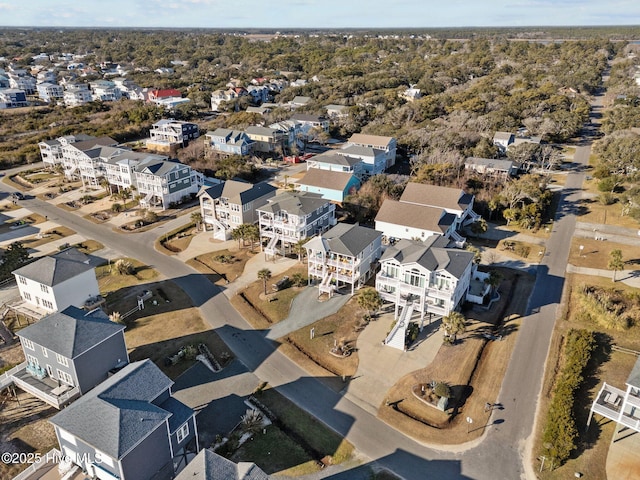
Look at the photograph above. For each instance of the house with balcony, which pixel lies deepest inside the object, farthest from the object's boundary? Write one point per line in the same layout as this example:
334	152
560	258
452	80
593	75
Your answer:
105	91
76	94
388	145
167	134
620	405
427	277
54	283
219	96
120	167
51	150
228	205
425	210
232	142
208	465
67	354
266	139
81	160
308	121
49	92
20	80
12	98
373	160
346	255
398	220
290	217
491	167
128	427
332	185
161	182
335	161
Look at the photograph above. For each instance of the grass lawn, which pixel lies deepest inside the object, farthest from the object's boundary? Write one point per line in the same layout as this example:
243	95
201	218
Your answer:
339	327
592	211
275	305
295	443
48	236
528	252
474	368
606	365
231	268
158	330
596	254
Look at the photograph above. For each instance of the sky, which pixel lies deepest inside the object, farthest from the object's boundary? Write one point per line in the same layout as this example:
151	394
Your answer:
317	13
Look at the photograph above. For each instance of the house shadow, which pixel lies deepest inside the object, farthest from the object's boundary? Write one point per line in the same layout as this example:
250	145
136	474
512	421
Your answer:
547	290
405	464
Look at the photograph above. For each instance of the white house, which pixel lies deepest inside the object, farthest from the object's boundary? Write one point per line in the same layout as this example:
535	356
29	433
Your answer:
162	182
228	205
290	217
425	210
621	406
53	283
166	134
49	92
76	94
387	144
346	255
428	276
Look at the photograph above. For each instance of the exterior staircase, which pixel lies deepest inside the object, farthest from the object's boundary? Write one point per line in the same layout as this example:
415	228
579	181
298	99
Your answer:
396	337
325	285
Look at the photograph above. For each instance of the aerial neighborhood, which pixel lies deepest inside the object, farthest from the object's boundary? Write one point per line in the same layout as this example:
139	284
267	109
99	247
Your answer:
239	255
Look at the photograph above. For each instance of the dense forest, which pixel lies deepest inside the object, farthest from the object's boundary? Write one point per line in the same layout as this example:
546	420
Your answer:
473	83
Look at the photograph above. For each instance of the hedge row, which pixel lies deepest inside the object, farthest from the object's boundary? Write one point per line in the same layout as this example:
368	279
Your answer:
560	432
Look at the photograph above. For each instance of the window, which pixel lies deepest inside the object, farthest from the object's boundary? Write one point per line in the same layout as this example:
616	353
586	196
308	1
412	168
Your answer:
62	360
22	280
183	432
45	352
28	344
65	377
47	304
27	296
44	288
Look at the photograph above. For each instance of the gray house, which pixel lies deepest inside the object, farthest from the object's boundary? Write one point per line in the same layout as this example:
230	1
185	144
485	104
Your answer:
129	427
68	353
208	465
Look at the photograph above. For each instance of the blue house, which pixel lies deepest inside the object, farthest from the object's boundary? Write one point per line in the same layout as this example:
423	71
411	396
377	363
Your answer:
128	427
332	185
67	354
234	142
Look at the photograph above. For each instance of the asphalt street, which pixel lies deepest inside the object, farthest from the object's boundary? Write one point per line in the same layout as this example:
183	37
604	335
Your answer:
500	455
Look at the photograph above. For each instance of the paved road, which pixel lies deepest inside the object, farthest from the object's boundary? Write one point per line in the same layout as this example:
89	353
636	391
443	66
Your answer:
502	452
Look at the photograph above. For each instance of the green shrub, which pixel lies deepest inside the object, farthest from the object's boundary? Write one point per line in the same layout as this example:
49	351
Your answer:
560	431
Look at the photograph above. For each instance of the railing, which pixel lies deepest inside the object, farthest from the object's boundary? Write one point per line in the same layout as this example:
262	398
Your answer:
52	454
53	400
7	377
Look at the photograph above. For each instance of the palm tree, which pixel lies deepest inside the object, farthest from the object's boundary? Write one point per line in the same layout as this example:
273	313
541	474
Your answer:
453	325
369	300
299	249
264	274
298	280
494	280
615	261
196	217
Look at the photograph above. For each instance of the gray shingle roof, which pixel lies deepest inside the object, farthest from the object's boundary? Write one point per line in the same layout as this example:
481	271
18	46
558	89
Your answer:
208	465
294	203
158	167
431	254
490	163
336	158
634	376
117	414
72	331
348	239
325	179
433	219
436	196
373	140
51	271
